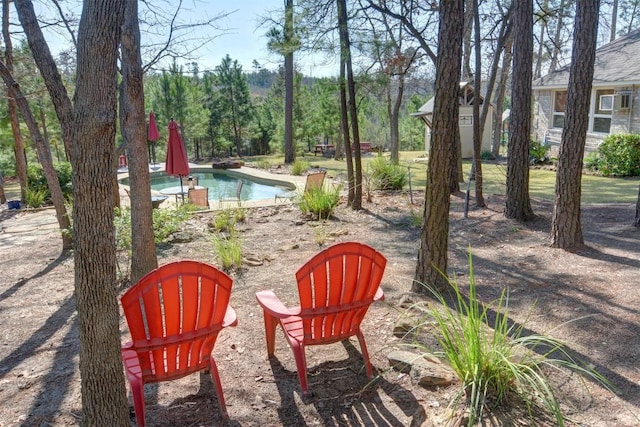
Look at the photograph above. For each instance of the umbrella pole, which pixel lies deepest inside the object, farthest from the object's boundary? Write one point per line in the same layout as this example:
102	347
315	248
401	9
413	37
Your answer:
181	189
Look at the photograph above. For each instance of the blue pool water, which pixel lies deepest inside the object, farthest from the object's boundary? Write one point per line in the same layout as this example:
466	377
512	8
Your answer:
222	184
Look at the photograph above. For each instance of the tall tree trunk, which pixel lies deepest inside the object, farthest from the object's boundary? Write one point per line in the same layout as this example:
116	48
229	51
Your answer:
289	149
477	129
518	204
344	128
544	23
393	108
555	52
614	20
104	399
44	155
47	67
456	174
434	237
566	228
352	148
467	73
502	86
356	203
143	251
18	146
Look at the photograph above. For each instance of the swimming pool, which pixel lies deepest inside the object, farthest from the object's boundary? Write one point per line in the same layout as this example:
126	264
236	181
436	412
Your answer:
223	184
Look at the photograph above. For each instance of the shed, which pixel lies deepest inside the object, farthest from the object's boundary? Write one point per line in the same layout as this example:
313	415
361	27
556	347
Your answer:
465	99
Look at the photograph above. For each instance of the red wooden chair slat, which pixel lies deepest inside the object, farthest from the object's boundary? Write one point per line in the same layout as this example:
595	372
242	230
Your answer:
336	288
174	315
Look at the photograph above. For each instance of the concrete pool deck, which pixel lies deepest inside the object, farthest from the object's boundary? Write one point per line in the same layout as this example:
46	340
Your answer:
260	174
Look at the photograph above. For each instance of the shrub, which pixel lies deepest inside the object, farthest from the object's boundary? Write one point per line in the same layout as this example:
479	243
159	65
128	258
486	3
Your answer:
34	198
319	201
38	182
7	162
168	221
619	155
387	176
592	161
499	363
122	223
263	164
538	152
299	167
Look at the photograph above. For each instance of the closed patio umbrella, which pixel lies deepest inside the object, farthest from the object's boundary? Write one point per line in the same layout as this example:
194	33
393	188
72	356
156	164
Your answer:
177	163
153	135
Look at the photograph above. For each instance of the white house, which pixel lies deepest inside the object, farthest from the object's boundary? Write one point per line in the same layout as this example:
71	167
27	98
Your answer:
615	96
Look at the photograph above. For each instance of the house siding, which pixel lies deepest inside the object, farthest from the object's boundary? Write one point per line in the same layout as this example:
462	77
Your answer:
622	120
542	118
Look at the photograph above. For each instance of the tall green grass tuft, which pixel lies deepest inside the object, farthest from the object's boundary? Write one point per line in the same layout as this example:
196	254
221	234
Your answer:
228	250
299	167
319	202
386	175
494	358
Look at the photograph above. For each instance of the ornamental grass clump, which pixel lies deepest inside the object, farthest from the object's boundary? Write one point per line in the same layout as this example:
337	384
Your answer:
228	250
494	358
319	202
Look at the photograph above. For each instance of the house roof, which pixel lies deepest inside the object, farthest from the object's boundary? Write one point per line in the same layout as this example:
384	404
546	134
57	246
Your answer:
616	63
465	98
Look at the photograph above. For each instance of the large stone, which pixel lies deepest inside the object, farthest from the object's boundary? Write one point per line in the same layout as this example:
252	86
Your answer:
426	371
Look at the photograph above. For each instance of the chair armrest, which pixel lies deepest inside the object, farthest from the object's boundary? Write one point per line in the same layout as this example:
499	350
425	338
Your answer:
230	318
271	304
379	296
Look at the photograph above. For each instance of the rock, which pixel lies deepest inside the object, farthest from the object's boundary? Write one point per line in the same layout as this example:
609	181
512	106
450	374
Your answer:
227	164
252	261
426	371
181	237
288	247
402	329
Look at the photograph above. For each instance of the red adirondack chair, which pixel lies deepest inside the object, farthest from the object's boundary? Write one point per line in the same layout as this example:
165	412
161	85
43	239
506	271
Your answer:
174	314
336	288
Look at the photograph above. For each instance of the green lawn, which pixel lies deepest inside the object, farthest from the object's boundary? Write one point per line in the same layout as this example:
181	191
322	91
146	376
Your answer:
595	189
541	182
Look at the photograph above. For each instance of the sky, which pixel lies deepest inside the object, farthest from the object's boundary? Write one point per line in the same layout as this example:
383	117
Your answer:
239	34
245	39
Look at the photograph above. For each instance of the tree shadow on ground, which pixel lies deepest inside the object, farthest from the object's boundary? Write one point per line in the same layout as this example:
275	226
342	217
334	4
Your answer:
342	394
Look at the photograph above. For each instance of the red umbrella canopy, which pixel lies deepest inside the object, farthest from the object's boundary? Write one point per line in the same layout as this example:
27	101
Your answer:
177	163
154	135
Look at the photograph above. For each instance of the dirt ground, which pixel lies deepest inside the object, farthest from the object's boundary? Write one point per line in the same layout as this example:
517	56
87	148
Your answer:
588	299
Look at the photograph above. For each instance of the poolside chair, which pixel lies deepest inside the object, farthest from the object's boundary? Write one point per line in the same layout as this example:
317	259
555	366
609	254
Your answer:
314	180
336	287
185	180
238	193
199	196
174	314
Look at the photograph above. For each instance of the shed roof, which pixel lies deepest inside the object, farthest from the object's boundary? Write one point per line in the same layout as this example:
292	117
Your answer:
616	63
465	99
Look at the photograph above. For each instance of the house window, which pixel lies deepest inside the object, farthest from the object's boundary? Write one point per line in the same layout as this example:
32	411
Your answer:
559	108
602	110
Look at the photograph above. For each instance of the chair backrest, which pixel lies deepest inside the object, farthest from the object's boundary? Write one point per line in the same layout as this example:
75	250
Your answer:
314	181
185	180
174	314
199	196
336	288
239	188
